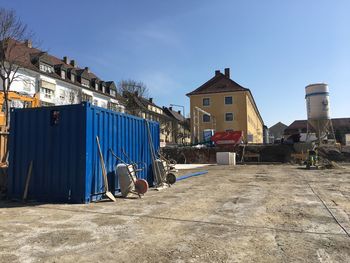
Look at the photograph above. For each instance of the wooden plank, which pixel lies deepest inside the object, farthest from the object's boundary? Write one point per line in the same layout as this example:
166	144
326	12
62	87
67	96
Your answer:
29	175
104	172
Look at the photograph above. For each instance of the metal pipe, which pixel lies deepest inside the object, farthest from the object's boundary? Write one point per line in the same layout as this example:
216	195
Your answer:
190	175
202	111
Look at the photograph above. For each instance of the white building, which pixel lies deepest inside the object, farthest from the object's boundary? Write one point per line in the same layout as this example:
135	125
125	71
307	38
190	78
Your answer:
60	81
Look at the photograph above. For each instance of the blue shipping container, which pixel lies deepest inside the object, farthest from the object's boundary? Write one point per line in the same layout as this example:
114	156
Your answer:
61	142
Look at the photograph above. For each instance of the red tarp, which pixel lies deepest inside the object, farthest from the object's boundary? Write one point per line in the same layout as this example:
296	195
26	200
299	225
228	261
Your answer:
227	138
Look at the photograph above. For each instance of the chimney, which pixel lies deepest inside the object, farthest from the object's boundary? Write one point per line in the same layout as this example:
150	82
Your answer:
28	43
73	63
87	69
179	112
150	100
227	72
66	60
217	72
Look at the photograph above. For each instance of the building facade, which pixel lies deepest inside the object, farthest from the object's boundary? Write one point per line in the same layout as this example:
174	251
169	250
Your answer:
59	81
221	104
181	126
276	132
147	109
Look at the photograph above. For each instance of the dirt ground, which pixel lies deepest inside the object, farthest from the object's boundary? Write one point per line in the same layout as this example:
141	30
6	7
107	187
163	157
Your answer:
251	213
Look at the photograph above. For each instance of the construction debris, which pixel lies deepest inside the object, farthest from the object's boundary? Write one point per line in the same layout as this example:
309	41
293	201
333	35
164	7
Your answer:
327	164
127	175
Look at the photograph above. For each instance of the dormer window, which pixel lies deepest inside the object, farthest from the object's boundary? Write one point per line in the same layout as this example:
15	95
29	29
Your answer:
96	86
72	77
45	68
63	74
103	89
112	92
85	82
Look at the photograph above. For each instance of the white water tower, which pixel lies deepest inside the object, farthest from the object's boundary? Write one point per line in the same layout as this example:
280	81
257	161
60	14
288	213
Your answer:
318	114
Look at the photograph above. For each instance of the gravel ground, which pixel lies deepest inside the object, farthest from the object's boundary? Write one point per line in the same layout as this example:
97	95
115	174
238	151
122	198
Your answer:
250	213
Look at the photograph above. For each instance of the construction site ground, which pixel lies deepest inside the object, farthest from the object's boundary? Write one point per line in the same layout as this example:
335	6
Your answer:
246	213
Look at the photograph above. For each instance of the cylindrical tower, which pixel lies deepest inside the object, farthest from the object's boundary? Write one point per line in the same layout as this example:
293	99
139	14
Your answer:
318	114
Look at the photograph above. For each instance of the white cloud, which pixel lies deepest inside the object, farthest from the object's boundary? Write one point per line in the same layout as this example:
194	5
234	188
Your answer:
164	89
154	34
158	83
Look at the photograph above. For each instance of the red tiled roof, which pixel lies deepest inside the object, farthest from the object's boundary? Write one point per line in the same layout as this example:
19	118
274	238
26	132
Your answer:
219	83
174	114
23	56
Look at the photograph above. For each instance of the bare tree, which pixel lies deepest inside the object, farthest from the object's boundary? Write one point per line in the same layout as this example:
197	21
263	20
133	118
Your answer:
133	86
12	34
132	91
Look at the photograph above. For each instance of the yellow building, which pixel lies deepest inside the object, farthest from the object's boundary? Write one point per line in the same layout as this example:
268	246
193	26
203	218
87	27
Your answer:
221	104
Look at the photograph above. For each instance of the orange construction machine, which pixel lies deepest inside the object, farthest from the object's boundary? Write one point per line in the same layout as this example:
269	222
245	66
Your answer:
17	100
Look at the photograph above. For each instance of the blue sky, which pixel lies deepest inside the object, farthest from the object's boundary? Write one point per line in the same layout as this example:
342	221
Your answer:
275	48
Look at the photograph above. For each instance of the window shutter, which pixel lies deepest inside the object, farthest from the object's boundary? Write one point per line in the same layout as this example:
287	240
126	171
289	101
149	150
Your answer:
47	85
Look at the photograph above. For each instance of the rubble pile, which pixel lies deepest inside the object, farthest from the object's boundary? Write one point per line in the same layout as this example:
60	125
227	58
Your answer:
333	153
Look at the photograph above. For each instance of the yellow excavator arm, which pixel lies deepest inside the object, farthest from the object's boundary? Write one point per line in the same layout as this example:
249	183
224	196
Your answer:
31	102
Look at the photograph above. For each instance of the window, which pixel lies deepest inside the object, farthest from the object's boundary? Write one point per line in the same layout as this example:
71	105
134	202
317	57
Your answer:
72	77
206	118
96	86
27	85
73	96
62	94
45	68
229	130
112	93
228	100
95	102
46	104
63	74
113	106
206	102
86	97
228	116
48	93
250	137
85	82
